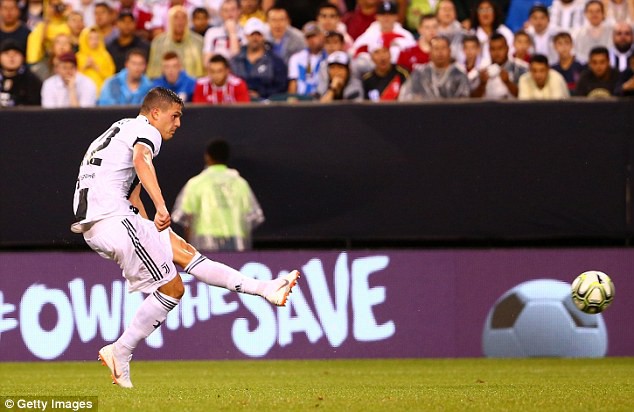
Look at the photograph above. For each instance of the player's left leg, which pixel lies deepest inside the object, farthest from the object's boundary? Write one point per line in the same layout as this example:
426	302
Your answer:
214	273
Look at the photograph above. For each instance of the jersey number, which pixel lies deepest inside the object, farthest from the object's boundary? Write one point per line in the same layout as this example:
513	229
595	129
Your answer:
82	205
105	141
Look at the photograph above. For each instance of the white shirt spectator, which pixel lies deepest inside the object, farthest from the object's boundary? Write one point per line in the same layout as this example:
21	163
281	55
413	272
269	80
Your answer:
566	17
554	89
55	92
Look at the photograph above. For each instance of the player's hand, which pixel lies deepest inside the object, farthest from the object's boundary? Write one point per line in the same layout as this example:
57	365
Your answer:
162	219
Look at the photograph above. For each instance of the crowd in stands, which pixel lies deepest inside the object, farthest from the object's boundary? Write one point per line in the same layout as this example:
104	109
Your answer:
82	53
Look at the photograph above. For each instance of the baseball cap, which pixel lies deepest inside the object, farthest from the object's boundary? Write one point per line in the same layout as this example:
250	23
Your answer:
67	58
338	57
387	7
254	25
311	28
10	44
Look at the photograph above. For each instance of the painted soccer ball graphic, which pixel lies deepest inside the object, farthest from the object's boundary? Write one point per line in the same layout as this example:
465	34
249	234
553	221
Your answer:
538	319
592	291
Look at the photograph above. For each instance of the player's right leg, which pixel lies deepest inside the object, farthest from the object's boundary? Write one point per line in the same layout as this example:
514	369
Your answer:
146	259
213	273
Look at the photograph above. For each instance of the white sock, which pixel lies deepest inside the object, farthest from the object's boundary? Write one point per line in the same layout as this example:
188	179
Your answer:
150	315
218	274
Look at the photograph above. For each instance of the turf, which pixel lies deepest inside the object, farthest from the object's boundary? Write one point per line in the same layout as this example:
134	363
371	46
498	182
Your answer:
339	385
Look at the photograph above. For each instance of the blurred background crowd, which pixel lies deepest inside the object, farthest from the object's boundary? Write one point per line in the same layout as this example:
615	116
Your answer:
83	53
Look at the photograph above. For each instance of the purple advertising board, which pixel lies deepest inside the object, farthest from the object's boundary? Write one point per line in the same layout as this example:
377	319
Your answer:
356	304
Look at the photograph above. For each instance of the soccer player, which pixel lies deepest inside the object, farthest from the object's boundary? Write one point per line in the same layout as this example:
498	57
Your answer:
111	216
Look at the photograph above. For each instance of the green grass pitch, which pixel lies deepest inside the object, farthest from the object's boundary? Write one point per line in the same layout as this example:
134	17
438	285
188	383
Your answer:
339	385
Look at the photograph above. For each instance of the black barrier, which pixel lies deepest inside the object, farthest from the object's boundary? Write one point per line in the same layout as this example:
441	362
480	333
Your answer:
385	173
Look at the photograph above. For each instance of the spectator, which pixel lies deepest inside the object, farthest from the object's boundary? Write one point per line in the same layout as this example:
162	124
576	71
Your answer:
127	40
75	21
595	32
438	79
385	81
141	15
419	54
200	21
264	72
303	67
619	11
180	39
626	82
11	27
68	87
251	9
499	80
217	208
161	18
175	78
130	85
472	60
542	34
105	18
622	47
449	26
33	13
599	80
568	66
93	60
542	82
334	41
301	12
286	40
85	9
40	41
567	15
227	38
220	86
486	20
363	15
386	29
44	69
329	20
18	86
340	85
522	45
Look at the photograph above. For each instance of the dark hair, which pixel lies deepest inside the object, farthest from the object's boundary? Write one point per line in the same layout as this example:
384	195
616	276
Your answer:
562	35
278	8
539	58
160	97
136	51
594	2
442	38
219	58
335	34
497	19
327	5
470	38
538	7
497	36
200	10
599	50
218	151
170	55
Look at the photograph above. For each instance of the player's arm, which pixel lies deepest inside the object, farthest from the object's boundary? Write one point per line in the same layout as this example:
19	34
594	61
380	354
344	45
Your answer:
142	160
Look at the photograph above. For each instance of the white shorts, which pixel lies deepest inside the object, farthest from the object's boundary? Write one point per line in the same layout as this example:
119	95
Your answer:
143	253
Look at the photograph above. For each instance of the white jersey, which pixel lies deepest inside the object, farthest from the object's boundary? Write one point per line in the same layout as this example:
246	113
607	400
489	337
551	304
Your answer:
107	176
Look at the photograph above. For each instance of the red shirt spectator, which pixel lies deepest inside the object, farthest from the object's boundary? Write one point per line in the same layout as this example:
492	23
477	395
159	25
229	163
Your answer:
233	91
411	56
358	20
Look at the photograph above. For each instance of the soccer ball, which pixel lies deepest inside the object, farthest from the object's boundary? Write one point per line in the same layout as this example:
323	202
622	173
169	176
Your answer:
592	291
538	319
